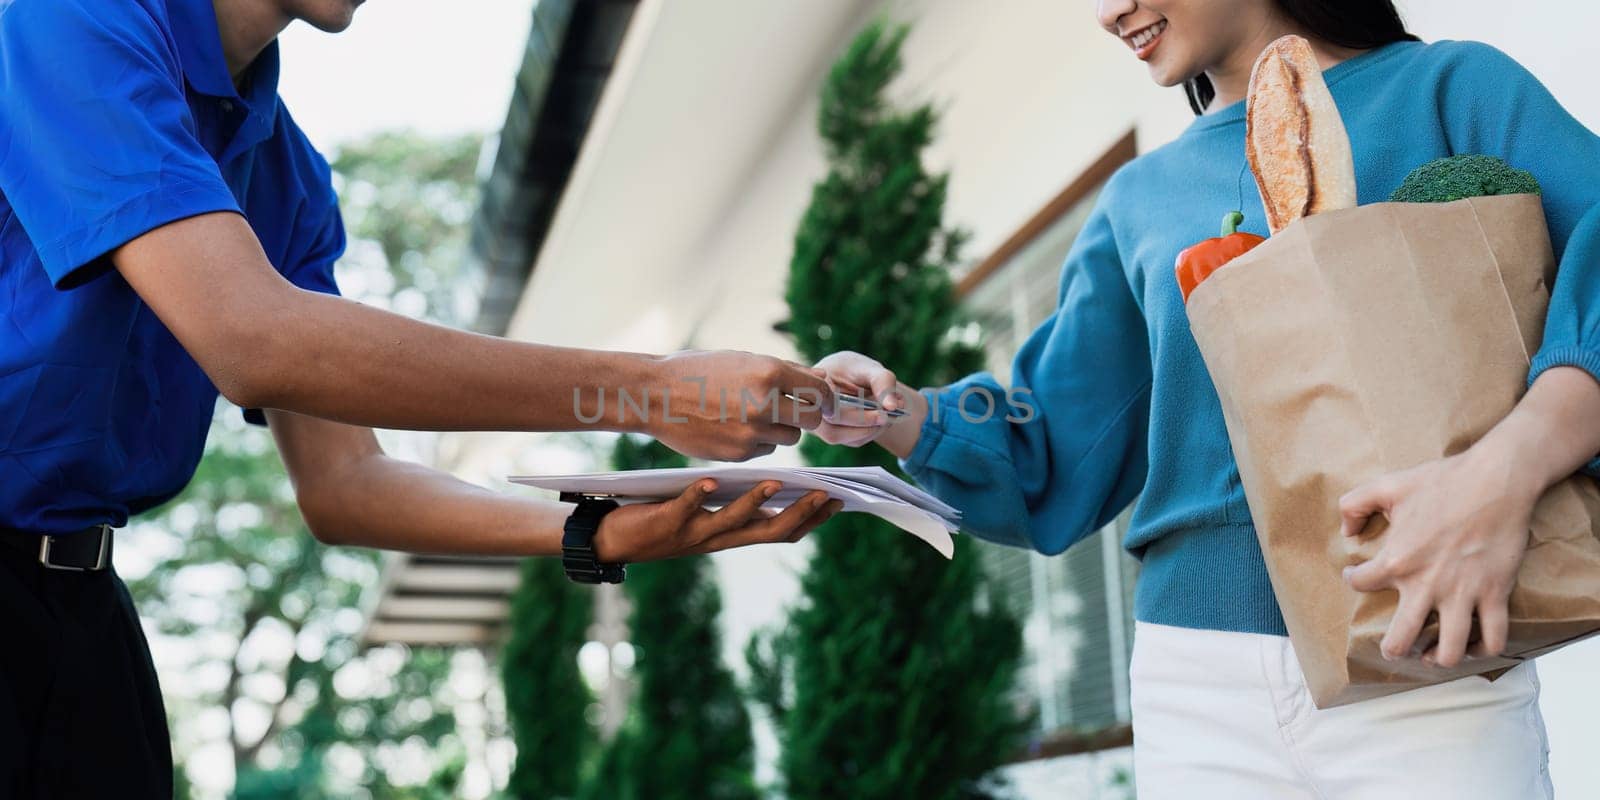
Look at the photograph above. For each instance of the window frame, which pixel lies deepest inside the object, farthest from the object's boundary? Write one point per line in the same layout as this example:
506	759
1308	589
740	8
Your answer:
1065	741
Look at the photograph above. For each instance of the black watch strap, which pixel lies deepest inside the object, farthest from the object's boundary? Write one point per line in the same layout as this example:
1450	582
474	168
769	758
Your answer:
577	541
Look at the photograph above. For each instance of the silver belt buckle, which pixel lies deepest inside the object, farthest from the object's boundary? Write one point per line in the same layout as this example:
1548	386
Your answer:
100	558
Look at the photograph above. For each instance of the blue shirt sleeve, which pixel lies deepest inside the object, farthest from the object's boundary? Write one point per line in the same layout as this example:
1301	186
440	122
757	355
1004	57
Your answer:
317	234
1064	451
312	270
1493	105
96	140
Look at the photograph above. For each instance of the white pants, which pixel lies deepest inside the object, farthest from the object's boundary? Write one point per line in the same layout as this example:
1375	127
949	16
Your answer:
1227	715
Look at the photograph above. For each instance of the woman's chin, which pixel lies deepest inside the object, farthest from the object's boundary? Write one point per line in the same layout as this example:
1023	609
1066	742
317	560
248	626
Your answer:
1164	75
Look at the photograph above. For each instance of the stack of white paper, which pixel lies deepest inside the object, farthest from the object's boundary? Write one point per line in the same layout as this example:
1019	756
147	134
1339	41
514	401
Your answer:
867	489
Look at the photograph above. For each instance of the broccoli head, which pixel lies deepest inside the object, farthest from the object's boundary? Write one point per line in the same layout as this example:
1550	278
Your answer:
1446	179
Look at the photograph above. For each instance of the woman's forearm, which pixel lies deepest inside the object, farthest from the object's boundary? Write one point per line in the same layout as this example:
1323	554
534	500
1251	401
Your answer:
1552	431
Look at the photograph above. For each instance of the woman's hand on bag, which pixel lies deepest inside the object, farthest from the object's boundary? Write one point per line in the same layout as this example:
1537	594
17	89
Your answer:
1458	528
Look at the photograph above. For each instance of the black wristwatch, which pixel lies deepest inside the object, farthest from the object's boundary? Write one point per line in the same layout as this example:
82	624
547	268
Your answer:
577	541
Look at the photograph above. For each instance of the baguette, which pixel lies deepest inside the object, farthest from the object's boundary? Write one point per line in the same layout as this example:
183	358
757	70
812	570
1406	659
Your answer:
1294	138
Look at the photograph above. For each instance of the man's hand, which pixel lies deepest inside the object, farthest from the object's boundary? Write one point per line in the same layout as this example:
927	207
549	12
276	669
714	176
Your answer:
680	527
731	406
1458	528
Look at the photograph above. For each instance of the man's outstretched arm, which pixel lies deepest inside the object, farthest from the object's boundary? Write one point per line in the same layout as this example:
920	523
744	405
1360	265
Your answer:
350	493
266	343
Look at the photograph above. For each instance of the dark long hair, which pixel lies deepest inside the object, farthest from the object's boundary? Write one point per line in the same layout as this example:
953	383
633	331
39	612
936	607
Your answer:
1358	24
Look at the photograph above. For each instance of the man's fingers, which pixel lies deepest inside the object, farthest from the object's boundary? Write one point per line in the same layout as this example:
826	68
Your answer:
1455	624
776	528
688	502
754	448
1360	503
1408	620
780	435
801	382
780	525
822	515
803	412
738	512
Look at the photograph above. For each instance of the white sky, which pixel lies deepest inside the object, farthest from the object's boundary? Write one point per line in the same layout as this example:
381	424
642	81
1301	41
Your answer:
437	67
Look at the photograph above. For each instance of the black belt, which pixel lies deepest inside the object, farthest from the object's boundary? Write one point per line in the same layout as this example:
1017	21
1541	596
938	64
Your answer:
88	550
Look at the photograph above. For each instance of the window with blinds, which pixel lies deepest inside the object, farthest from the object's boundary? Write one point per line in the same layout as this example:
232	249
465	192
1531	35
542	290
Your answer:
1076	608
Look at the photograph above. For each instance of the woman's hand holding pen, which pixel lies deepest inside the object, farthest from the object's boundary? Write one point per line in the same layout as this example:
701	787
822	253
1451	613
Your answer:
853	375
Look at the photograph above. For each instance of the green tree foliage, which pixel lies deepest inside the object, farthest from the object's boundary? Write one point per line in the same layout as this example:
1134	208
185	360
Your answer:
894	676
265	617
407	203
546	699
256	621
687	736
637	453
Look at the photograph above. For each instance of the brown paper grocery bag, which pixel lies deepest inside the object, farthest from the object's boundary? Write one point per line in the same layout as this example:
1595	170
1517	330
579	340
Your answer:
1362	341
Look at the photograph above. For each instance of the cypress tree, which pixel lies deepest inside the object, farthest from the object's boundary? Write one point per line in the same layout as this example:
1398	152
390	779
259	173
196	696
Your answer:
546	698
894	676
687	736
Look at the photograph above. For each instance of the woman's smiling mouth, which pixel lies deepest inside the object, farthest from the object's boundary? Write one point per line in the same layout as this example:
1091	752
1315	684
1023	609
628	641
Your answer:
1144	40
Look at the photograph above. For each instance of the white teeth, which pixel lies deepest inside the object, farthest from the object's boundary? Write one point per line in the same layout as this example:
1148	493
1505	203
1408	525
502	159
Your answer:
1145	36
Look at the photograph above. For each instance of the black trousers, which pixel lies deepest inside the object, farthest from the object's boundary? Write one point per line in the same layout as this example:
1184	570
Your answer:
81	716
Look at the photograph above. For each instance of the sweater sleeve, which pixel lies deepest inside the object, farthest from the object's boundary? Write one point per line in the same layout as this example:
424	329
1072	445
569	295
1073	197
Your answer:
1493	105
1057	455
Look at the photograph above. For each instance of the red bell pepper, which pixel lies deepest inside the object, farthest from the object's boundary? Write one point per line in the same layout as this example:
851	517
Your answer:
1197	262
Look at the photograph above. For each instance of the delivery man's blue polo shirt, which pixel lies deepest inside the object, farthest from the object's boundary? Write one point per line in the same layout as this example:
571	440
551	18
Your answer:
117	118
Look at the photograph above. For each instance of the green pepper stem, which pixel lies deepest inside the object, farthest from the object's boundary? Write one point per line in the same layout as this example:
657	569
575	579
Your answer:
1230	222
